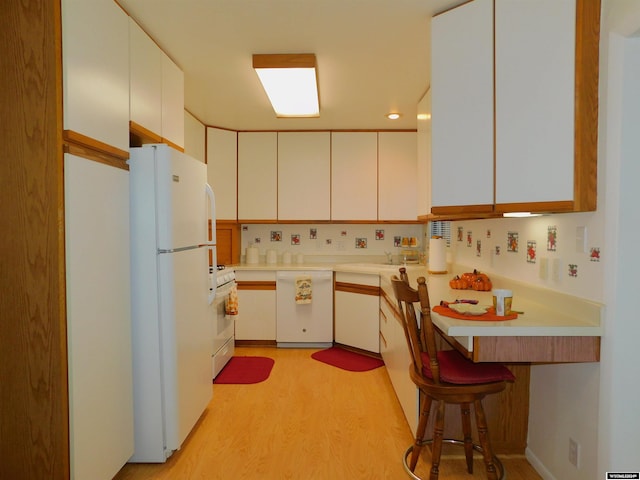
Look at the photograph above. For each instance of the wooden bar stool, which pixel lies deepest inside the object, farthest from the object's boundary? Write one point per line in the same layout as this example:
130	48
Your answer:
445	377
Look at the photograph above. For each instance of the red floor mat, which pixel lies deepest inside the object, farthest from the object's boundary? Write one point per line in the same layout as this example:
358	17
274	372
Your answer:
347	360
245	370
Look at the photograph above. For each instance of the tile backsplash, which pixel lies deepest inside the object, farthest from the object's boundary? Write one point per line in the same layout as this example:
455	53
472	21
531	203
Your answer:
328	241
564	252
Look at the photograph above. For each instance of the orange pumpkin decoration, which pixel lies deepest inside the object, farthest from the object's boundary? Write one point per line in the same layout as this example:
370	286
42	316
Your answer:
475	280
458	283
482	283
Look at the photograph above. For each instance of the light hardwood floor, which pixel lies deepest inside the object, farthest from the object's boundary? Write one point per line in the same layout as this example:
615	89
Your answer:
308	420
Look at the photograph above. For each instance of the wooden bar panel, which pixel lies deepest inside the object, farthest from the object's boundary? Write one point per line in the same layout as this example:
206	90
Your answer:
507	416
536	349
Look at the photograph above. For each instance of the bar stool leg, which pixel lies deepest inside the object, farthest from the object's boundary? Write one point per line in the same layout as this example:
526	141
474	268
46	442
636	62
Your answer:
481	423
465	412
422	427
436	447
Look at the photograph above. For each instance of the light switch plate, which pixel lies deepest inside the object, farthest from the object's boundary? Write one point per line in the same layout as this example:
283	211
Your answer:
581	239
556	268
544	268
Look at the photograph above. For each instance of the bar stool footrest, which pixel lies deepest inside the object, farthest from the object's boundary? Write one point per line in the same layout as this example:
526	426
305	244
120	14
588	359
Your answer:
452	441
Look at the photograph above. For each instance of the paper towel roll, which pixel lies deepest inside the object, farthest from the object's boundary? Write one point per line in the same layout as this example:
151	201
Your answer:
437	255
252	255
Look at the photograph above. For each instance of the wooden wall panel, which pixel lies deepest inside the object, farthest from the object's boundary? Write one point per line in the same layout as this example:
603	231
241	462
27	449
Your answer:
34	438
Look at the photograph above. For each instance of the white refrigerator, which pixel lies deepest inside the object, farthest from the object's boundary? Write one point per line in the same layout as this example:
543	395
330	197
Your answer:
171	205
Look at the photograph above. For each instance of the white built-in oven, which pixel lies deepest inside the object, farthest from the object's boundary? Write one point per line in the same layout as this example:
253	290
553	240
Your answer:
223	324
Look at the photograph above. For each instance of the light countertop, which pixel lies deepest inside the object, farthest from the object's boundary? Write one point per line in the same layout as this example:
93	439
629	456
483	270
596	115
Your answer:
546	312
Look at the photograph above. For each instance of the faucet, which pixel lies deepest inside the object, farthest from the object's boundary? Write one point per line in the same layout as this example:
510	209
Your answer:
389	257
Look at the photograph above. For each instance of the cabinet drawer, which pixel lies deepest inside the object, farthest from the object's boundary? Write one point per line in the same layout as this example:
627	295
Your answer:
255	276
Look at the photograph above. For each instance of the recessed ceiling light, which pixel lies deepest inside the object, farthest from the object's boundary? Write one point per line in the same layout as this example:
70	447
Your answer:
393	116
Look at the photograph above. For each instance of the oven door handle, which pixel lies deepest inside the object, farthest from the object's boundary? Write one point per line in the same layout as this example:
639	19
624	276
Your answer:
224	290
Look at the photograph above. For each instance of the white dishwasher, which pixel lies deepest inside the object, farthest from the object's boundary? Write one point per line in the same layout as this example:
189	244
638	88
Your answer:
304	306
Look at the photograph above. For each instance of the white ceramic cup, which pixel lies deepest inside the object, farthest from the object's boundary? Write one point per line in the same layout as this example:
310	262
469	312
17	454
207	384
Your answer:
502	300
286	257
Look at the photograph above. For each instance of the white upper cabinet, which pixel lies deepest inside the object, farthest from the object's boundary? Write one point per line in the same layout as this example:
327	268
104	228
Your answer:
157	91
257	176
146	80
194	137
542	156
172	102
354	179
222	171
535	82
304	176
462	106
397	172
95	53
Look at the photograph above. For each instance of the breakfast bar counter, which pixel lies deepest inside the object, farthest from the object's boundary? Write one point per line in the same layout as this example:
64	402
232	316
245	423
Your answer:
553	327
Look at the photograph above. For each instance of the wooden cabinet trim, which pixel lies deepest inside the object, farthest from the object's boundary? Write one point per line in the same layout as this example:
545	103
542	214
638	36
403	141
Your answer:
357	288
139	135
86	147
256	285
586	104
463	209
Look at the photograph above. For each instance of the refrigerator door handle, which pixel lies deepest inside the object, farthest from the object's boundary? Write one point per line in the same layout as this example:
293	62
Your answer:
212	205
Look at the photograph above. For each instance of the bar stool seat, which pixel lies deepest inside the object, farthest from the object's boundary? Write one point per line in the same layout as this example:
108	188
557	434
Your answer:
445	377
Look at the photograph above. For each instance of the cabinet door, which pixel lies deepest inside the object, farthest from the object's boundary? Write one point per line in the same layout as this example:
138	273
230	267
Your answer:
304	176
172	102
95	54
354	176
397	171
146	80
257	320
222	170
356	313
257	176
98	317
462	106
535	85
257	305
195	134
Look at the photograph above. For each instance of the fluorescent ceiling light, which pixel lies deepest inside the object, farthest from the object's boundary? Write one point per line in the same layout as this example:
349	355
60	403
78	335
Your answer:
290	83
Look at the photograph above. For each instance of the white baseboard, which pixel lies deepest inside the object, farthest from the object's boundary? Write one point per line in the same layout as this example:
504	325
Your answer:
538	465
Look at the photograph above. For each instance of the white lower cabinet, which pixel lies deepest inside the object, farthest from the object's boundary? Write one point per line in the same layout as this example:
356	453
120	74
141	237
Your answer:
395	353
356	310
101	437
256	305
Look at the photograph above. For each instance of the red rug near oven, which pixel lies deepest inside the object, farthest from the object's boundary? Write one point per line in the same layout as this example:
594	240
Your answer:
347	360
245	370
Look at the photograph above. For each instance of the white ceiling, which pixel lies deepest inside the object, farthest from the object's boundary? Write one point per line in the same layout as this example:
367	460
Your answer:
373	56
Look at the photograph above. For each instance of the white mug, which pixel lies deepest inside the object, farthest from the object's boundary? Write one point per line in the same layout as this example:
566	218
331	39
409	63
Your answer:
502	300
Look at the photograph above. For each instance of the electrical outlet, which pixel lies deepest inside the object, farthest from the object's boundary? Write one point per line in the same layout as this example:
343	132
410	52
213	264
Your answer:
544	268
574	452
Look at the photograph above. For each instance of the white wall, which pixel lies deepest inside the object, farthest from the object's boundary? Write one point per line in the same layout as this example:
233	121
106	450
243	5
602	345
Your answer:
619	420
